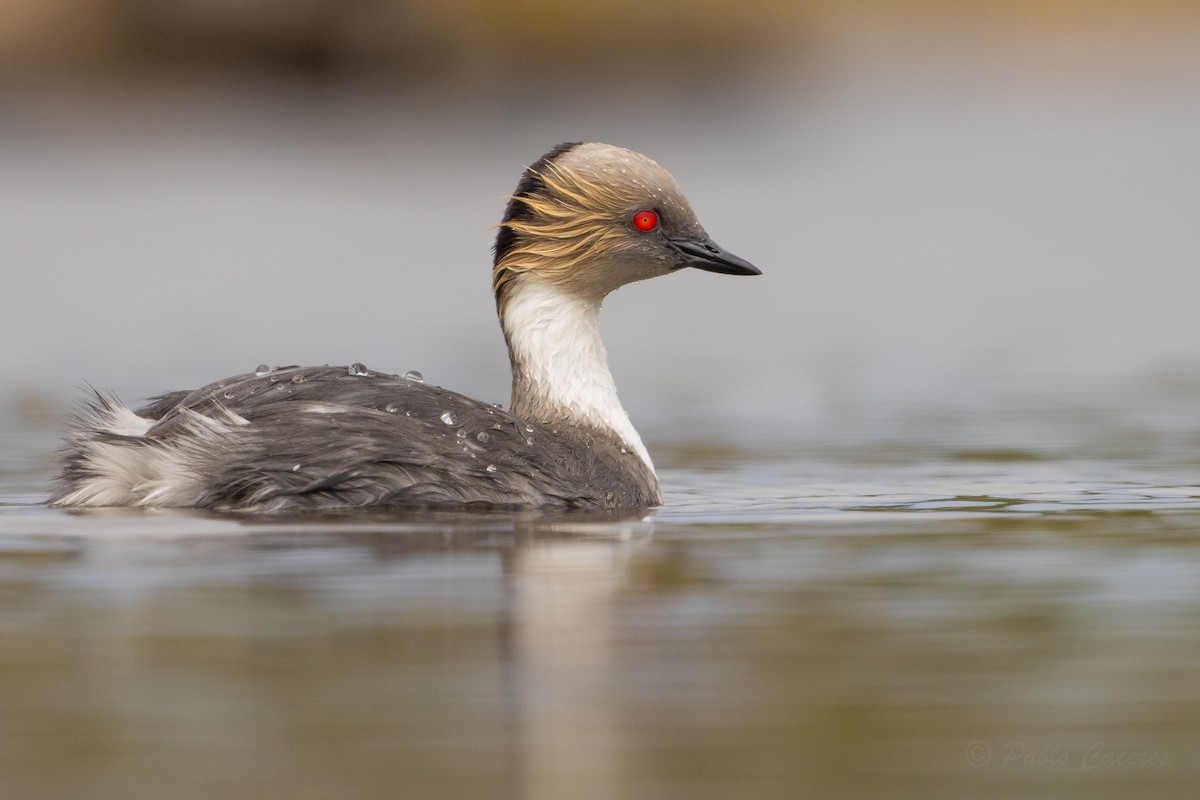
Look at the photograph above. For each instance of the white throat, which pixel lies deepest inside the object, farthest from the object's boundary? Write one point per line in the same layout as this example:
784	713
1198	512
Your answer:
560	366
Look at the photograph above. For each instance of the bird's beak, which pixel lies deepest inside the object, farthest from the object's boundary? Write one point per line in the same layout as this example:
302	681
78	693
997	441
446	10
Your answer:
705	254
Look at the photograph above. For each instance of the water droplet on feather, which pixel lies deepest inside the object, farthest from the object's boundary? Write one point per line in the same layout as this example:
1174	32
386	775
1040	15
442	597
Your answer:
449	418
356	369
414	376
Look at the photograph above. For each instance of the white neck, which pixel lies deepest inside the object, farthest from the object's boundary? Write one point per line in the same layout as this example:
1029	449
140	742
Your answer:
560	366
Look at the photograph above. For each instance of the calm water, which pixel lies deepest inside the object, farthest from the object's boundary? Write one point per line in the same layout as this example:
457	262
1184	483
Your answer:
932	521
870	622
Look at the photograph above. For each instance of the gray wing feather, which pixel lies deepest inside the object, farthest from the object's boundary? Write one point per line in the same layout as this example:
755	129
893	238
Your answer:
329	437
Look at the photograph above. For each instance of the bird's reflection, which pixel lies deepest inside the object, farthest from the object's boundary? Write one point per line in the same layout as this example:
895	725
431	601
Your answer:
563	575
561	578
564	582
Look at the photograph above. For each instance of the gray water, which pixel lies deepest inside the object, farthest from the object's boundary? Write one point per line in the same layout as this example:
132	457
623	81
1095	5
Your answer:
932	511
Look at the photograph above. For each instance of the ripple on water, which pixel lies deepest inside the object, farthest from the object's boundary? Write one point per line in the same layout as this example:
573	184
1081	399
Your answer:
1007	490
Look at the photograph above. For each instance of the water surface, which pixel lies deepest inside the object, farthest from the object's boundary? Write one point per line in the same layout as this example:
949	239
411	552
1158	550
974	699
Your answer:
957	627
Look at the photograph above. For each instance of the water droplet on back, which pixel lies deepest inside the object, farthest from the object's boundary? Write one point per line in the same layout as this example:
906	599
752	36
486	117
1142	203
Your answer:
449	418
391	408
357	370
229	395
414	376
483	436
491	467
462	433
298	378
262	369
529	429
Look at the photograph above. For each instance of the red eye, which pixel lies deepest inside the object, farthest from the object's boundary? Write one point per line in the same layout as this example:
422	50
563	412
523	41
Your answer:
645	220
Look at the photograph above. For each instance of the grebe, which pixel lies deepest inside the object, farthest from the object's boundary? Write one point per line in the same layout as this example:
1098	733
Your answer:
585	219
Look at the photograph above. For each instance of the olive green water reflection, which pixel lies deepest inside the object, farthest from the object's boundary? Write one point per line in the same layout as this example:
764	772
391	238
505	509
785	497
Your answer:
928	655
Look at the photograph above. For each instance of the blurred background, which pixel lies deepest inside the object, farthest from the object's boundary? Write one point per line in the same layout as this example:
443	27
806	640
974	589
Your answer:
930	524
958	207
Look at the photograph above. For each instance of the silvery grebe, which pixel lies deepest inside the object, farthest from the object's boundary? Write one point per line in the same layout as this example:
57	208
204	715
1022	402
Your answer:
585	219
